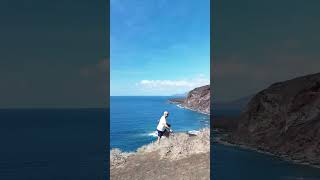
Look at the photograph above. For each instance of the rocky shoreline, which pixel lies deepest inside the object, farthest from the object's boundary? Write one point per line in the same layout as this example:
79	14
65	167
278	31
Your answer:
284	119
181	156
184	107
197	100
224	140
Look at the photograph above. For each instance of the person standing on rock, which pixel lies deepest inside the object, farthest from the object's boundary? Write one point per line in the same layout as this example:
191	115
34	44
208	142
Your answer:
163	125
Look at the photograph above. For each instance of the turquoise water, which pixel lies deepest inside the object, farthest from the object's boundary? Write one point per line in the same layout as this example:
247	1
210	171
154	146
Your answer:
134	119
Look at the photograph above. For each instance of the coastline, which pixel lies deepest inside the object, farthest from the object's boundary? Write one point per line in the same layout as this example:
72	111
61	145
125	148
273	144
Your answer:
179	103
178	151
187	153
181	106
226	142
203	134
222	141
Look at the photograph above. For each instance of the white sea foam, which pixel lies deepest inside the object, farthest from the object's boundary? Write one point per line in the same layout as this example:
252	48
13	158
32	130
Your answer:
179	106
153	134
194	132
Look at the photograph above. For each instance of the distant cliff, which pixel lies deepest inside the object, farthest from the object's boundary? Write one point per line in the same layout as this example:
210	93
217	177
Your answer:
284	119
197	99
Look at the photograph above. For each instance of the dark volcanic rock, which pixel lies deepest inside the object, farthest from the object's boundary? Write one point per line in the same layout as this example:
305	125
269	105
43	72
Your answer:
284	119
197	100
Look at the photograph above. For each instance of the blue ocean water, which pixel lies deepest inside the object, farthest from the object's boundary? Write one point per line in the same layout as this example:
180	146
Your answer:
235	163
133	119
50	144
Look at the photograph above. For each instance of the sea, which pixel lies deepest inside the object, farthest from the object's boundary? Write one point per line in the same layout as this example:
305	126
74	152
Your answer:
133	120
51	144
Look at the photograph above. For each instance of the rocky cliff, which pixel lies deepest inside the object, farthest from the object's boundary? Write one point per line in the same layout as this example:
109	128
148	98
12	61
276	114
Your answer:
197	100
284	119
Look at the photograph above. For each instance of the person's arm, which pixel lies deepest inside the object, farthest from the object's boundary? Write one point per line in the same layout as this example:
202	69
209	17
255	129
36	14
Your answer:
165	124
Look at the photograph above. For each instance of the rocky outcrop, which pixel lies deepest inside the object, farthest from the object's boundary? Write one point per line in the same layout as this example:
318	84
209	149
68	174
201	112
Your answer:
180	156
284	119
197	100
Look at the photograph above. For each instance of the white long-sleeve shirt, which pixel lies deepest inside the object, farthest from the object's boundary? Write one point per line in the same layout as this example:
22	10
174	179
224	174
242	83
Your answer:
161	126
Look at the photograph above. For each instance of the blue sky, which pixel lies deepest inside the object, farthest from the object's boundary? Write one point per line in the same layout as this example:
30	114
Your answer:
159	47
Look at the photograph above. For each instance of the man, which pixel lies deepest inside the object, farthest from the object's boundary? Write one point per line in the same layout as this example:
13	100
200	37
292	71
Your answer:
163	125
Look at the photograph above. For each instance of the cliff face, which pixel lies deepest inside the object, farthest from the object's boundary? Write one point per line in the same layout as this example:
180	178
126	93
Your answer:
197	100
284	119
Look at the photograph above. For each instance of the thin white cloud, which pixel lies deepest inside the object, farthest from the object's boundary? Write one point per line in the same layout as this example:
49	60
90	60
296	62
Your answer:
173	85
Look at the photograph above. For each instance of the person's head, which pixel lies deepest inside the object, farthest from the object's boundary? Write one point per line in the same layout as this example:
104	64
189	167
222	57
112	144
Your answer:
166	114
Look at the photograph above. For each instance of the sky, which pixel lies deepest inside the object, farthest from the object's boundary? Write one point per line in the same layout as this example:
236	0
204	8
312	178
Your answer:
53	54
257	43
158	47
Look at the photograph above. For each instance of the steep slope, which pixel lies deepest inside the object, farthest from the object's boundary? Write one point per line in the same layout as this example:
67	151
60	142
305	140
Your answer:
197	100
284	119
